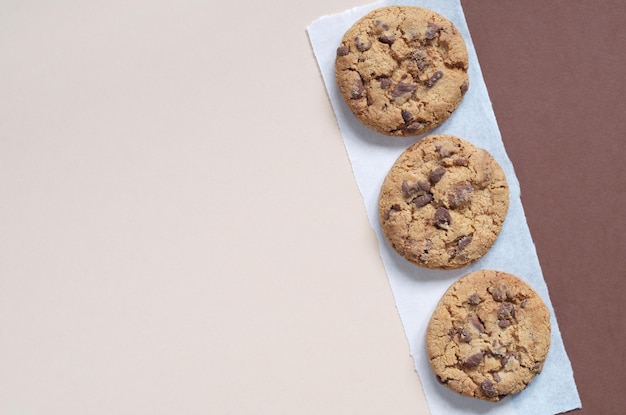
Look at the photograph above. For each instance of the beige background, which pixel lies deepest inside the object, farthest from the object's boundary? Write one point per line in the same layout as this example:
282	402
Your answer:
180	230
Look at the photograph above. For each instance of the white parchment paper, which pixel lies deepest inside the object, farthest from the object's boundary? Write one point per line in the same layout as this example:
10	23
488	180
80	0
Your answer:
417	290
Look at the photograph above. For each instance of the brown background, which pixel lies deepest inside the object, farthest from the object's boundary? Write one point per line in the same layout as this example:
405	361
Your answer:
555	74
181	232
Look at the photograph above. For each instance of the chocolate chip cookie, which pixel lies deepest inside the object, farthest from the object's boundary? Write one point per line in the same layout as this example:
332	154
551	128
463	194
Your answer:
488	336
443	202
402	70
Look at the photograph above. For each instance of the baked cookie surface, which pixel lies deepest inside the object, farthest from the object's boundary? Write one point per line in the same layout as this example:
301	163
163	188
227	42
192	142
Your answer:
402	70
443	202
488	336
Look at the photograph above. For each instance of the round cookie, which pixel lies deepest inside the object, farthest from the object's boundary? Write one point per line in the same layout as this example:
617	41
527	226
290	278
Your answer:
488	336
402	70
443	202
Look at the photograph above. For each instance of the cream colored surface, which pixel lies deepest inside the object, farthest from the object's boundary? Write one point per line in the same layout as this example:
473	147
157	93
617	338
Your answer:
180	229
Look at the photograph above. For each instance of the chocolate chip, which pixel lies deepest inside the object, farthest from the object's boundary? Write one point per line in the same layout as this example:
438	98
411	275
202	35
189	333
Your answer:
461	161
409	189
488	387
496	377
460	196
507	358
406	116
464	241
361	44
445	152
381	24
442	218
452	253
420	59
391	210
412	189
385	83
387	39
506	310
476	323
431	31
358	91
424	185
402	89
499	293
343	50
464	87
465	336
474	299
436	175
474	360
433	79
423	200
506	313
415	126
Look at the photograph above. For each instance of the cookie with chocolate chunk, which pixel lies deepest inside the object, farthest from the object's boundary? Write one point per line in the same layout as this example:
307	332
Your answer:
402	70
443	202
489	335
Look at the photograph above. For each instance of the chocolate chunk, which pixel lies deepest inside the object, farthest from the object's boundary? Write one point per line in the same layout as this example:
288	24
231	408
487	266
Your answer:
496	377
507	358
423	200
436	175
465	336
442	218
391	210
476	323
385	83
433	79
474	360
415	126
506	310
464	87
381	24
424	185
343	50
474	299
460	196
402	89
506	313
407	116
452	253
499	293
409	189
387	39
361	44
420	59
431	31
358	91
463	242
461	161
489	388
446	152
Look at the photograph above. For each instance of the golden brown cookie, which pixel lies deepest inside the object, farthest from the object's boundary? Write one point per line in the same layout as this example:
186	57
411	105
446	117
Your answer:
443	202
402	70
488	336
